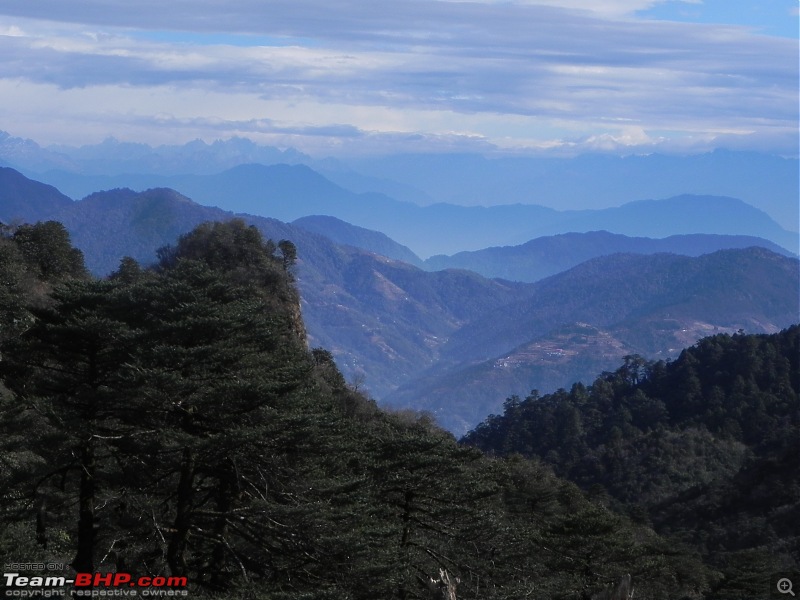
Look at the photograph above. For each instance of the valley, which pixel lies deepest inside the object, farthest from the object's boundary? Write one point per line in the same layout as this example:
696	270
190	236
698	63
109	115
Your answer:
456	335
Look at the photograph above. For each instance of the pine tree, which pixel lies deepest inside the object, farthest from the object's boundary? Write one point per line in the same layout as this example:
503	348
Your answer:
67	372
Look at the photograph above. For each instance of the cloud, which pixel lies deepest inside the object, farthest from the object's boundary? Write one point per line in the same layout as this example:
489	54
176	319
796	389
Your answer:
572	70
612	8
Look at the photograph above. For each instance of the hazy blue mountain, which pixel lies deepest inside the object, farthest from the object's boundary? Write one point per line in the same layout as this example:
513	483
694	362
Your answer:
464	178
358	237
685	214
548	255
770	183
78	186
463	395
386	320
285	192
583	321
752	288
109	225
244	187
362	184
27	155
590	181
22	199
380	317
112	157
288	192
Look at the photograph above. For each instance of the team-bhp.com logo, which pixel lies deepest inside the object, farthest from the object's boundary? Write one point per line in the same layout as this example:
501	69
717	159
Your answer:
92	584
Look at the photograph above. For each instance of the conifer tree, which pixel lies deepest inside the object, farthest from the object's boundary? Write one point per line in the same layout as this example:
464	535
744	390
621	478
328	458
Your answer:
67	373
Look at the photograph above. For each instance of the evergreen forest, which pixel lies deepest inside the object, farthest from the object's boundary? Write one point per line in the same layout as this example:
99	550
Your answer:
704	449
170	420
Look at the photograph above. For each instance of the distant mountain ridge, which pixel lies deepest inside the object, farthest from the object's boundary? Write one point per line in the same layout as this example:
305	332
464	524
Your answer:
113	157
686	213
350	235
589	181
31	200
548	255
289	192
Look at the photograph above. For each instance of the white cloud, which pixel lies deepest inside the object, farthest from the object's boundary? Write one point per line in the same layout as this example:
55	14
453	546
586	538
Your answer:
613	8
11	31
510	74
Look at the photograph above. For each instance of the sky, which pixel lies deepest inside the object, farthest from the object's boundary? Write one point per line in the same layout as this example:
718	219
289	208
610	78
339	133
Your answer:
348	77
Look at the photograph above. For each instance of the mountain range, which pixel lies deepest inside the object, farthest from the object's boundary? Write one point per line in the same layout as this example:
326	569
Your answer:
379	316
590	181
289	192
576	324
402	331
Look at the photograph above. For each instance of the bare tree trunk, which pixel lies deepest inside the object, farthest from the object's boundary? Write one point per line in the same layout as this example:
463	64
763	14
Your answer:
41	526
444	588
225	503
177	543
84	559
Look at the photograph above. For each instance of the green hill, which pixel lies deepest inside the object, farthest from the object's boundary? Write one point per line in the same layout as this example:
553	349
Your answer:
704	448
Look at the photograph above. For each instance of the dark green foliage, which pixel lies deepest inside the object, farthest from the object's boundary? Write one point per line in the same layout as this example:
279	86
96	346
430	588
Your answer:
32	258
704	448
48	252
288	253
239	250
13	315
233	247
173	421
134	378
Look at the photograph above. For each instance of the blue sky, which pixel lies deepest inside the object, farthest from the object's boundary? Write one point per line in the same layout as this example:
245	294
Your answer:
346	77
768	17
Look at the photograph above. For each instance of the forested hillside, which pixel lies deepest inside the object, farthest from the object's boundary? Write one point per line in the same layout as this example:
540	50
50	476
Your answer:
171	421
648	299
703	448
574	325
